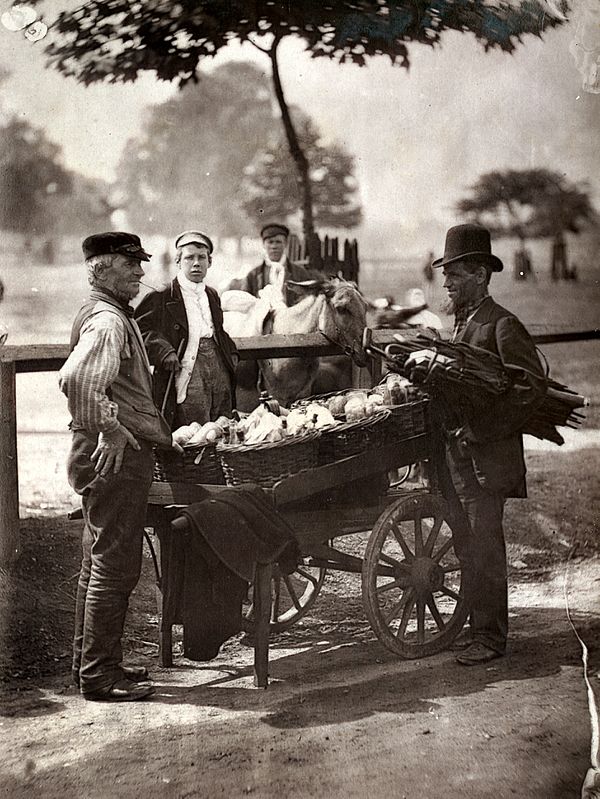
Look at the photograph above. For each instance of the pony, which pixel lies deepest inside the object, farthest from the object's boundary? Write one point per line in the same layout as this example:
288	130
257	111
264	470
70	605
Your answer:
331	305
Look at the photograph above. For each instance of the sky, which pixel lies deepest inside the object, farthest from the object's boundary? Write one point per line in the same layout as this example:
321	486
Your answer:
419	137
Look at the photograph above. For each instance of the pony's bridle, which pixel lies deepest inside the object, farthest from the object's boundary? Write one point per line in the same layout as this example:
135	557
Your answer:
348	346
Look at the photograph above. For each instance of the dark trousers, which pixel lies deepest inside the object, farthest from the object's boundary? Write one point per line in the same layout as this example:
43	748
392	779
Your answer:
480	547
114	510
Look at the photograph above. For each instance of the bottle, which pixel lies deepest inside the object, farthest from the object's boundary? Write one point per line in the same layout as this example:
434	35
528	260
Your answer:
267	401
234	437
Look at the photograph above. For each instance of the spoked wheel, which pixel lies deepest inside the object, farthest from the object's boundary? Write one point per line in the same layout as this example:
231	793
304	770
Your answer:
292	595
411	578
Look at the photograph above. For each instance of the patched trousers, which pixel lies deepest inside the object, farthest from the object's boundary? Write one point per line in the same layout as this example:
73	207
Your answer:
114	511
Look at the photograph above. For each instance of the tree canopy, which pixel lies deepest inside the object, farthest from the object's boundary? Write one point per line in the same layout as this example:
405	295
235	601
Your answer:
528	203
115	40
31	176
272	189
189	160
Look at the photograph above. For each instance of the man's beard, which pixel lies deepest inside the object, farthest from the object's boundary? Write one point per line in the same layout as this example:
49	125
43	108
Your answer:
461	299
452	305
447	306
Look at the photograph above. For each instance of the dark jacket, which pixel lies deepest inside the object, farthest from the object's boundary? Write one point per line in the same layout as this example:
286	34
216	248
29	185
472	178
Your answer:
163	321
497	455
258	278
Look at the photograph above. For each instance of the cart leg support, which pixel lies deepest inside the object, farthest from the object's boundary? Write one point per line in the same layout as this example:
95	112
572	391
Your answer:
262	611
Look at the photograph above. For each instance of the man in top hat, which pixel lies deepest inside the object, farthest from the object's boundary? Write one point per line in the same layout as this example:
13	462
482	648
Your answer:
484	445
276	269
115	424
182	326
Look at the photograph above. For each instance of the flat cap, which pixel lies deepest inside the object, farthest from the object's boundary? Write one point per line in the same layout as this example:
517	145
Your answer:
114	242
193	237
274	229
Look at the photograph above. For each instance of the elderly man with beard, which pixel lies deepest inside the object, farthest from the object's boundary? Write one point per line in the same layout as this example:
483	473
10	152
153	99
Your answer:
115	424
484	445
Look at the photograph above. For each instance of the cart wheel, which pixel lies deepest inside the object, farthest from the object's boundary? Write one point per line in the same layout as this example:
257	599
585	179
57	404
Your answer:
411	578
292	595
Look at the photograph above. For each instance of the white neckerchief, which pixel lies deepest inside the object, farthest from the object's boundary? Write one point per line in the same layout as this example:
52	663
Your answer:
277	272
200	325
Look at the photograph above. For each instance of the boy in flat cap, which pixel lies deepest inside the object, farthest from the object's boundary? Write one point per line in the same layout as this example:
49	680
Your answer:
484	445
182	326
276	269
115	424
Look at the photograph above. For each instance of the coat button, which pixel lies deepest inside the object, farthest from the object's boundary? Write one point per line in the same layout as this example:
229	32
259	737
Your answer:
175	327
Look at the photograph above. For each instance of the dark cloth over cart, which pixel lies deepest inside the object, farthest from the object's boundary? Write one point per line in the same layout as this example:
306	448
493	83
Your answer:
212	563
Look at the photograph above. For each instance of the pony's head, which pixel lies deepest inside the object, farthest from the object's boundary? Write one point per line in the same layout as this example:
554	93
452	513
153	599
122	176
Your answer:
343	317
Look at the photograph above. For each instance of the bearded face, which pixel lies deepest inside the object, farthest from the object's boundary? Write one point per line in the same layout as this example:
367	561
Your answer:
464	287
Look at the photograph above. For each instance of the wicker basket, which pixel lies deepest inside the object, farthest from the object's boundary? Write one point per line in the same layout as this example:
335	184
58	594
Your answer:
267	463
197	464
352	438
406	420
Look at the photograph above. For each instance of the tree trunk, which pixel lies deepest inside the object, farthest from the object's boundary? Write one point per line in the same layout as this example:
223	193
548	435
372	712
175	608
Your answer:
296	151
559	269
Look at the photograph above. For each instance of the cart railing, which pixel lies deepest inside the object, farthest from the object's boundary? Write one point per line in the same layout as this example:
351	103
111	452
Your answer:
16	359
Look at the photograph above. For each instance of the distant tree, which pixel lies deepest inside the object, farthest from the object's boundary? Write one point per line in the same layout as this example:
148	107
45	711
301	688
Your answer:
530	204
31	177
87	207
117	39
273	191
186	166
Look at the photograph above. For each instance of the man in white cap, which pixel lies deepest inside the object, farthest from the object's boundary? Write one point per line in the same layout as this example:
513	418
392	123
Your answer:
182	326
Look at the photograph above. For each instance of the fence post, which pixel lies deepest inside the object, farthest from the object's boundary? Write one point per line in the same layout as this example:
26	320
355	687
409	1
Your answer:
9	480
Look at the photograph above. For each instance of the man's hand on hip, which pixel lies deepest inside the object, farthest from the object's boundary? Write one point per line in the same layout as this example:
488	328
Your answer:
110	448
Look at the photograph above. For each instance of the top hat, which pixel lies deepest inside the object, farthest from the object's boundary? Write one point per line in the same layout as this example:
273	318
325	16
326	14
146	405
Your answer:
114	242
194	237
469	242
274	229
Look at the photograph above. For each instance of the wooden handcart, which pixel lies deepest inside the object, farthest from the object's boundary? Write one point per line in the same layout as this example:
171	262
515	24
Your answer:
411	577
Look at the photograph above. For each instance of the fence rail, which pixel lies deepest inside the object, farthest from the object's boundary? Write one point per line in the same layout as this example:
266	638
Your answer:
15	359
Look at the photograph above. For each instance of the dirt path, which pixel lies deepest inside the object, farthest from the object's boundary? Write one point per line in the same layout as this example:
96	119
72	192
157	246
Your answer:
342	717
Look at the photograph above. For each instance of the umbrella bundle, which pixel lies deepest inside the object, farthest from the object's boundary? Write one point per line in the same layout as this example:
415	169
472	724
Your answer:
441	365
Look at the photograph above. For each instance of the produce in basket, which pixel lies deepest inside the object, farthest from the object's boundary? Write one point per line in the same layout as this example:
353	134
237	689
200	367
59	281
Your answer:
198	435
269	428
355	407
184	433
209	433
319	415
373	404
336	404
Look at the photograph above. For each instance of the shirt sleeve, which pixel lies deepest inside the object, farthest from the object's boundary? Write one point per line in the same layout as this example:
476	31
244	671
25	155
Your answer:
89	371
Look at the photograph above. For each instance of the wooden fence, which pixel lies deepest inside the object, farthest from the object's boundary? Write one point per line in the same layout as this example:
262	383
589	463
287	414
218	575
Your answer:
326	255
50	357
